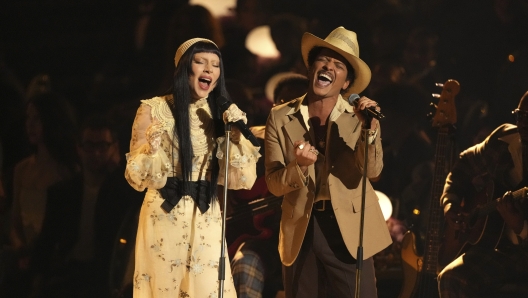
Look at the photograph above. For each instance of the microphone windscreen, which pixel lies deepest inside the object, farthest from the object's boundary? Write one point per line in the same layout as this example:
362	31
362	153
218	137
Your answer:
353	98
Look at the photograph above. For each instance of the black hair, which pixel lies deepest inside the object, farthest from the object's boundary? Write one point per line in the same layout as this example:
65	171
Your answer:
351	74
182	99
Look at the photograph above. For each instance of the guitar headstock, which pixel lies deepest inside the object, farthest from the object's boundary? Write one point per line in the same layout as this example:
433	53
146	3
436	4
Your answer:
445	109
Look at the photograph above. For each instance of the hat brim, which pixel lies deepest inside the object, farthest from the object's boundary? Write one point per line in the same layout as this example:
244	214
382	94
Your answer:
361	69
272	83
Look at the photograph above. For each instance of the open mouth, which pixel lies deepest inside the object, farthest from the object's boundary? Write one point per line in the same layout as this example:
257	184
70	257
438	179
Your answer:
324	79
204	82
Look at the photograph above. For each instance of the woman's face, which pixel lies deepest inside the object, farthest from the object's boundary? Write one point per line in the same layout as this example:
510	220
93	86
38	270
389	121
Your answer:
205	74
33	125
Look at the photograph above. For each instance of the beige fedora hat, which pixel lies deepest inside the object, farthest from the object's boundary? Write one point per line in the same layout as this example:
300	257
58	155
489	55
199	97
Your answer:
345	43
186	45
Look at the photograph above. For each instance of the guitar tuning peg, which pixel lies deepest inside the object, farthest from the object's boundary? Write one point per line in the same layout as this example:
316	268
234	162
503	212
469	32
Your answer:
439	85
429	116
432	104
435	95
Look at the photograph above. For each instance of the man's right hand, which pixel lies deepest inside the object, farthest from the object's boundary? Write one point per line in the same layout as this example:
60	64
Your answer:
455	218
306	154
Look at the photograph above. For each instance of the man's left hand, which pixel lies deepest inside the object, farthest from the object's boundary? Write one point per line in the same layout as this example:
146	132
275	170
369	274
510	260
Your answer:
363	103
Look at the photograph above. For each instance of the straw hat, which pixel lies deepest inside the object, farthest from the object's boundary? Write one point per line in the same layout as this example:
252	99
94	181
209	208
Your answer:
186	45
272	83
345	43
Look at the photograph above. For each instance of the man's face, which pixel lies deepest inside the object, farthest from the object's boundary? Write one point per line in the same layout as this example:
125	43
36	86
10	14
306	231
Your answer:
97	150
328	74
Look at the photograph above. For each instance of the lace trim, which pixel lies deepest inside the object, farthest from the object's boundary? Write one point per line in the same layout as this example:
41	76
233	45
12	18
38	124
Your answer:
201	123
159	109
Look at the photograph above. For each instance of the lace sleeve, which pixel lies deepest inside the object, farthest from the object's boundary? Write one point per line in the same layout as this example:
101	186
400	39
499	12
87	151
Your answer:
144	170
243	158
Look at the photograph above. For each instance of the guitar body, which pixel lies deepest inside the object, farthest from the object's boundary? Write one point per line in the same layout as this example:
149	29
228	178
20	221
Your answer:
484	231
411	264
417	283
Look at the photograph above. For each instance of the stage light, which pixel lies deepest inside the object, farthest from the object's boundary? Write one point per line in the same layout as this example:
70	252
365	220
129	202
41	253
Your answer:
260	43
218	8
385	204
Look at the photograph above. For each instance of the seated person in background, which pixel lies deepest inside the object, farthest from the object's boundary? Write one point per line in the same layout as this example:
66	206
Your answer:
285	86
256	265
500	161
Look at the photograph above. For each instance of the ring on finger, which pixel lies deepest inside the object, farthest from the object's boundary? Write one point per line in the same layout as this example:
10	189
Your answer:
301	146
314	151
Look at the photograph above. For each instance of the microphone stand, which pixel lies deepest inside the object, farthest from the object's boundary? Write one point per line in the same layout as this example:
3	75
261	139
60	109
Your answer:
359	259
221	262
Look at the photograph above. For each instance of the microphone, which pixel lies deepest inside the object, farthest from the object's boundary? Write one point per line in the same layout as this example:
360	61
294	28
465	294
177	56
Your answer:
223	104
369	112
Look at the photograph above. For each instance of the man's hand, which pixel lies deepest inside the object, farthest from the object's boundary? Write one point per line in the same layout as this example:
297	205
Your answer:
510	212
455	218
305	154
363	103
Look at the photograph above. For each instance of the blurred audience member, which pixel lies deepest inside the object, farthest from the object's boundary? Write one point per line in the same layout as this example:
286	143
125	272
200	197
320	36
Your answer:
50	128
65	259
288	87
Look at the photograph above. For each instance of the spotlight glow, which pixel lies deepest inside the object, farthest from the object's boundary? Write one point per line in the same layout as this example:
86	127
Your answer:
259	42
385	204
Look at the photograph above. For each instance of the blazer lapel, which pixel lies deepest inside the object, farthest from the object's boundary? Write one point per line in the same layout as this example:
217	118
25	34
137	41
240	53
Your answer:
348	125
296	130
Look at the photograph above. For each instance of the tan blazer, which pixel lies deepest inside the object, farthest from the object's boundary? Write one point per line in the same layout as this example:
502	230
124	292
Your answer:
344	159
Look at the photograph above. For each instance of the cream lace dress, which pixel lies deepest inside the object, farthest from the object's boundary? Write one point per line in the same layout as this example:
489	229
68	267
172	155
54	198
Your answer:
177	253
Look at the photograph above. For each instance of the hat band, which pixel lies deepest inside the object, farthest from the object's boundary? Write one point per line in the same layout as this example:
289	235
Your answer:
346	40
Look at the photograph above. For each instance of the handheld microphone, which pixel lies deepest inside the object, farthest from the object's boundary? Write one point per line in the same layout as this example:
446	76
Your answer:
369	112
223	104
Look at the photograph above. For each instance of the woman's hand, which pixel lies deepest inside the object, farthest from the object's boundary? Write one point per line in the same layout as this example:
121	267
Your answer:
153	134
234	114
